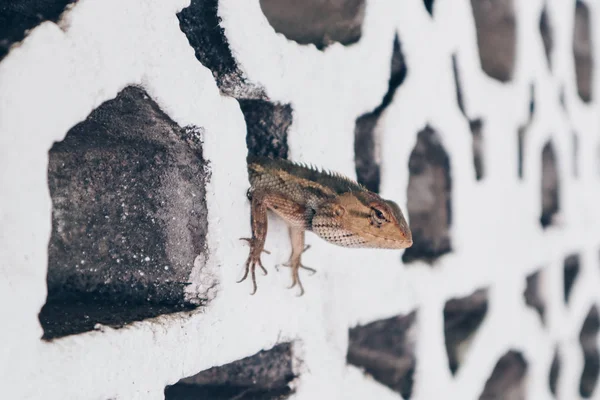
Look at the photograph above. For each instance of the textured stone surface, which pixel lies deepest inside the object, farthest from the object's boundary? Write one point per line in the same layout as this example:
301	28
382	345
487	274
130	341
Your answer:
588	338
458	85
522	133
201	25
128	216
320	22
582	51
367	148
462	318
476	126
533	295
546	32
570	272
554	372
19	16
265	375
549	185
385	349
507	381
496	37
429	198
54	80
429	6
267	125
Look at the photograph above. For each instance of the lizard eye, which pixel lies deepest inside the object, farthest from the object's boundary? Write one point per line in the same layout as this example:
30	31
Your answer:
377	216
338	210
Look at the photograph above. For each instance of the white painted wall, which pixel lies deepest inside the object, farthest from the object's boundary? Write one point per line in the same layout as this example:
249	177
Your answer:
60	73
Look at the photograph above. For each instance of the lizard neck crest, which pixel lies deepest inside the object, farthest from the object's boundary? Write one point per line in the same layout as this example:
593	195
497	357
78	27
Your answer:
333	180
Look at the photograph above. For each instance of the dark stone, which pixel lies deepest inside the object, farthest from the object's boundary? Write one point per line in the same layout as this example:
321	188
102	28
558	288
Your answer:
588	338
429	198
533	295
570	272
320	22
550	186
70	315
366	150
476	126
385	349
201	25
17	17
582	51
267	125
507	381
128	219
496	37
429	6
546	32
462	317
265	375
458	85
522	132
554	372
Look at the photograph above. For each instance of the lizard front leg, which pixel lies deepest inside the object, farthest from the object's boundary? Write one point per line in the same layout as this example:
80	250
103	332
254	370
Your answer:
297	240
258	217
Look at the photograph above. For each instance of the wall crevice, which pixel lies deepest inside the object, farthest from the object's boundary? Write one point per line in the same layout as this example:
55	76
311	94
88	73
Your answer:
367	148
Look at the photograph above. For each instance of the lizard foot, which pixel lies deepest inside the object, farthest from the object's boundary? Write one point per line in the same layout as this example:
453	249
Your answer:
251	263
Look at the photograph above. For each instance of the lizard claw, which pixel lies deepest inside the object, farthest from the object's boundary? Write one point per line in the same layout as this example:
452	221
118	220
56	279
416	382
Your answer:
296	281
296	265
251	263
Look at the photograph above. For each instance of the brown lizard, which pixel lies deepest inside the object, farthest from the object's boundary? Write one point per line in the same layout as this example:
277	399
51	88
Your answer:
334	207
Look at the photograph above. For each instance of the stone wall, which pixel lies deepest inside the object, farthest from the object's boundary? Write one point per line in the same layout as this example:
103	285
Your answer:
124	130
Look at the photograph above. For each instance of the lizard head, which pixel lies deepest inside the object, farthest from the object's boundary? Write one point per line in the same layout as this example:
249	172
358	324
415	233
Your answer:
362	220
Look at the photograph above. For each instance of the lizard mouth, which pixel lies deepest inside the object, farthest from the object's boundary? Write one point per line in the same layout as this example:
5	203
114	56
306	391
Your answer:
394	243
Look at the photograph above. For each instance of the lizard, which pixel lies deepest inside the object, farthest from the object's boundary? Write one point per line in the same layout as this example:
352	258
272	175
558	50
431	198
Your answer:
334	207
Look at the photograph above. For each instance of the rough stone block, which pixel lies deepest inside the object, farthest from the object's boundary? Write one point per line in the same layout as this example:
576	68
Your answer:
582	51
320	22
129	216
429	198
462	318
385	349
267	125
570	272
533	294
18	17
508	379
588	338
265	375
550	186
201	24
496	37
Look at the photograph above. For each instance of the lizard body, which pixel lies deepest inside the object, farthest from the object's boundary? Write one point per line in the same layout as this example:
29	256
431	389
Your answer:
332	206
